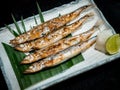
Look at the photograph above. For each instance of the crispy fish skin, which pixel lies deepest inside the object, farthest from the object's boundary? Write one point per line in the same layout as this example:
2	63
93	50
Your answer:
58	46
60	57
47	27
54	36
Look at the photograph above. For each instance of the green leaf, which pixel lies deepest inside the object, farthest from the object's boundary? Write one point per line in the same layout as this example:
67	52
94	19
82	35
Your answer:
12	31
59	15
35	20
40	13
23	25
70	35
15	58
16	25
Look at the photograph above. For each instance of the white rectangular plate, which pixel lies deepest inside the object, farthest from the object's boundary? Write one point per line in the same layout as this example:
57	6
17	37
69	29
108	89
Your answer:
92	60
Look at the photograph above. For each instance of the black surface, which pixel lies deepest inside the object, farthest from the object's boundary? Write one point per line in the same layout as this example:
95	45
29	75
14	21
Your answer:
105	77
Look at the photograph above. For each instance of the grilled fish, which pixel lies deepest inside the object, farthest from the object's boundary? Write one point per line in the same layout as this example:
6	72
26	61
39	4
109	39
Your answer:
47	27
61	56
54	36
58	46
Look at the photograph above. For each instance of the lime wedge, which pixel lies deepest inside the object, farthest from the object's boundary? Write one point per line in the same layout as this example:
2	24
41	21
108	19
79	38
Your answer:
113	44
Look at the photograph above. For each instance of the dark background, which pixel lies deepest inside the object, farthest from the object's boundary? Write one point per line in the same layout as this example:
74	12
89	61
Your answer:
103	77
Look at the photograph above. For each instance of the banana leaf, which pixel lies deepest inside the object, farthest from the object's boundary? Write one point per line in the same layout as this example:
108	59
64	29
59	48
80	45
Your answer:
26	80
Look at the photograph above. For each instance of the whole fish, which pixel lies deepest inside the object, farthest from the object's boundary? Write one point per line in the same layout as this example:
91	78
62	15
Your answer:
47	27
58	46
60	57
53	37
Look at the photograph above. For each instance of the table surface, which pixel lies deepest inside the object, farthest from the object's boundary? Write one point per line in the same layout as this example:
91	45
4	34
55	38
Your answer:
103	77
